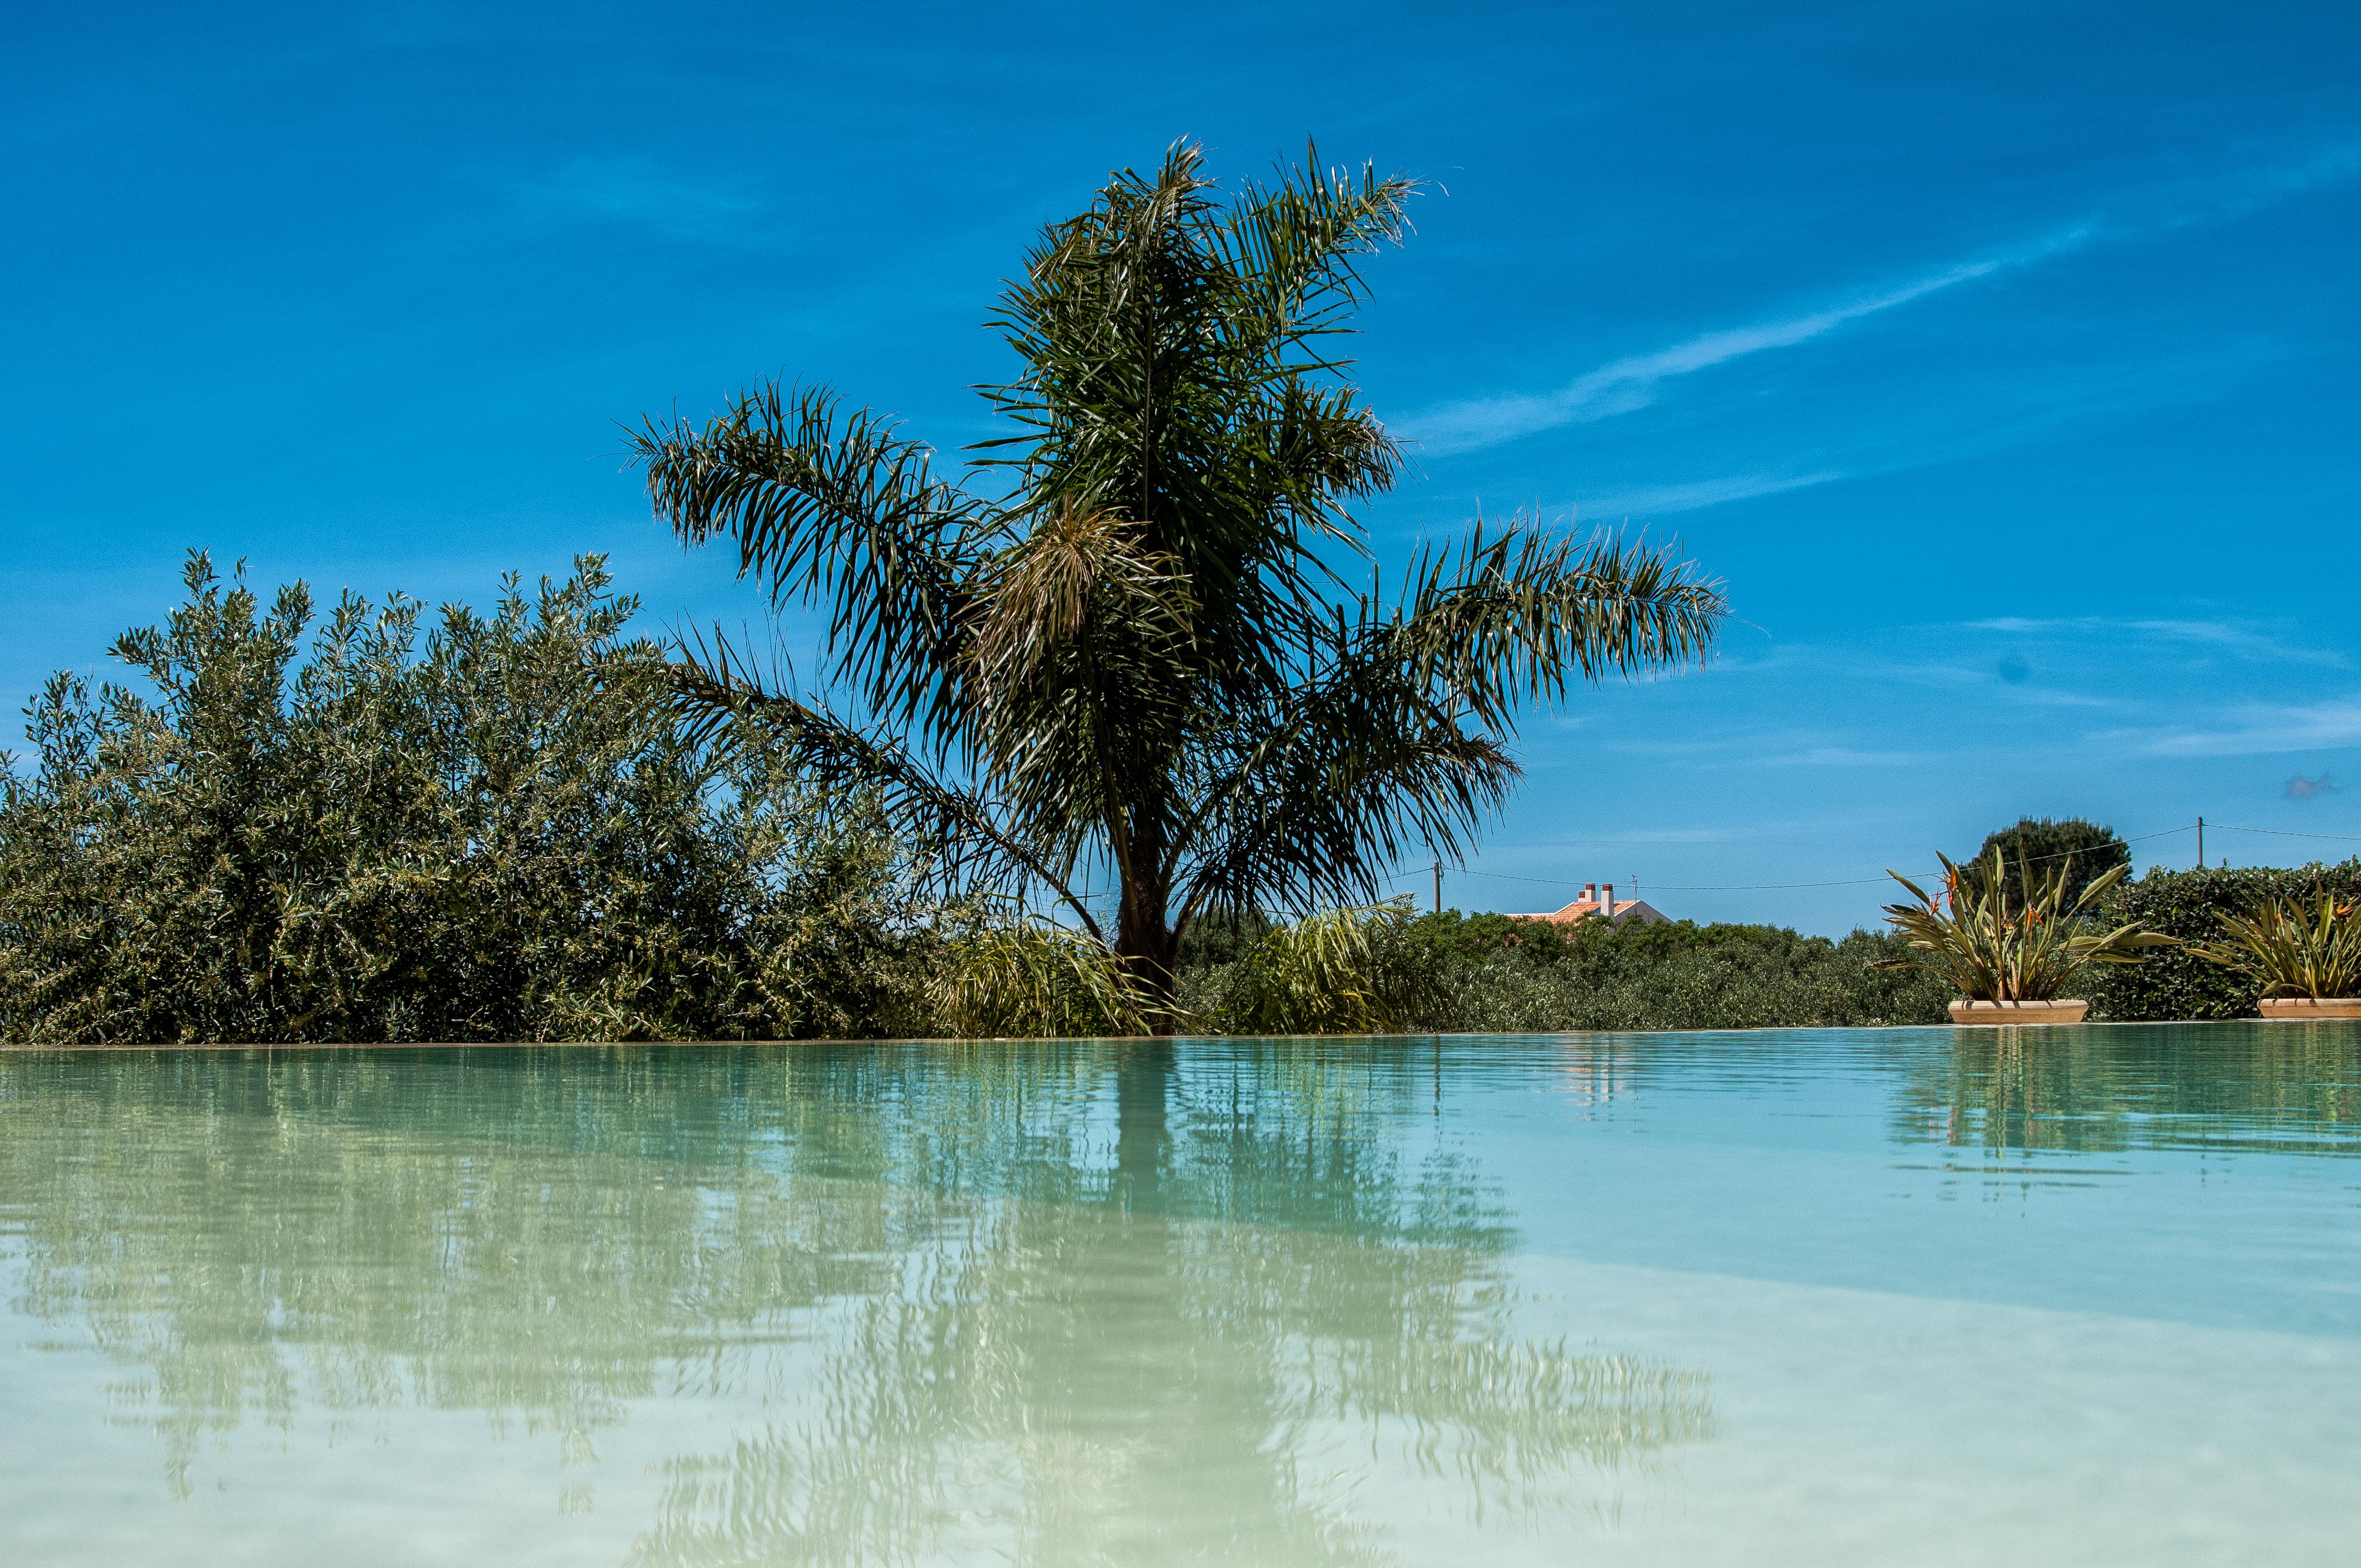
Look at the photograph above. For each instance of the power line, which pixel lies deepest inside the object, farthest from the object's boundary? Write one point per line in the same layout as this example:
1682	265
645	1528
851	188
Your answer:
2286	833
1668	887
1848	882
1426	869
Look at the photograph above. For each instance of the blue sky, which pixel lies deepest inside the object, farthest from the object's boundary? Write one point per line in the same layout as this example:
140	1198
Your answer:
2003	361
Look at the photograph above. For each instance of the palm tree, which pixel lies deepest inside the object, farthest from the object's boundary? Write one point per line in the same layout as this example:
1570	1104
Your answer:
1126	642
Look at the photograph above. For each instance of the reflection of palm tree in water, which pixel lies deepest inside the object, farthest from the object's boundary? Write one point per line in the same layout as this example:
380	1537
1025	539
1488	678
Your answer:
1178	1367
1155	1347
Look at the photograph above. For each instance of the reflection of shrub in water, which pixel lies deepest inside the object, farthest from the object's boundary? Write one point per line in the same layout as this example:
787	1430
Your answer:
264	1235
2283	1088
1518	1410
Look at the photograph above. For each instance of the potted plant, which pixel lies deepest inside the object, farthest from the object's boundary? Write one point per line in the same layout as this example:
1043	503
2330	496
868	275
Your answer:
2307	962
2012	956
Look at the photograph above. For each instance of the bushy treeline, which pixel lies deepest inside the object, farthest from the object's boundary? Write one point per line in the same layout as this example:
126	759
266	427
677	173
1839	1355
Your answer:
379	825
369	827
1492	974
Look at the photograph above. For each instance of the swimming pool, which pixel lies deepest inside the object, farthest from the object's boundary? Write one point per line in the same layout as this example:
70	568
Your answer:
2086	1295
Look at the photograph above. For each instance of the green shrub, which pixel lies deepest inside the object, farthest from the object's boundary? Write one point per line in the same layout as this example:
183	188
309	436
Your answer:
335	833
1682	976
2178	983
1338	972
1004	974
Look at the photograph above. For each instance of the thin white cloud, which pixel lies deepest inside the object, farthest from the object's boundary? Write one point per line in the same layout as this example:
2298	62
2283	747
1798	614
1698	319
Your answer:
1631	383
1655	500
2050	696
2020	624
1778	748
2252	190
1652	835
1840	662
2231	637
2260	730
1846	757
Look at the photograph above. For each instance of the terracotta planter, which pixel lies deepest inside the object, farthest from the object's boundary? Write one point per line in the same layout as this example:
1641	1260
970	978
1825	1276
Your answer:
2019	1011
2295	1009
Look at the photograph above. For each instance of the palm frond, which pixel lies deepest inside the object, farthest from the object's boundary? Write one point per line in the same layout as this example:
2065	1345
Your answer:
1166	380
1079	662
1299	237
1352	769
966	835
1521	614
826	507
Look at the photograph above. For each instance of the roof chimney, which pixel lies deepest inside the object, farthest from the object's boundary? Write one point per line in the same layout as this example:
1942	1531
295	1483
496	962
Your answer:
1607	901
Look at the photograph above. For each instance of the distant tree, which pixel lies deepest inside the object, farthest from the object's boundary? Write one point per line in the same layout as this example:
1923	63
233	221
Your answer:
2036	844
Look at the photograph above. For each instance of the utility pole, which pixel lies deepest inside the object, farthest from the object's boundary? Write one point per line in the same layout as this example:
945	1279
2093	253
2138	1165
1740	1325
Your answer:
1438	884
2200	843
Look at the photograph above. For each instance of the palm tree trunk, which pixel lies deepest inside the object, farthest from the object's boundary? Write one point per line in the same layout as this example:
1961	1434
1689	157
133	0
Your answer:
1148	950
1146	944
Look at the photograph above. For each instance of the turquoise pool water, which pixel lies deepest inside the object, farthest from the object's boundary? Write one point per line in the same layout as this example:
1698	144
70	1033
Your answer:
1924	1297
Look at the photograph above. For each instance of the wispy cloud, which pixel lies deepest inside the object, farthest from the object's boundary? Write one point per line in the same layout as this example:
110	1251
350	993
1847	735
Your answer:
2260	730
1636	381
1846	757
2243	191
1654	500
1775	749
2045	697
1724	835
2243	640
2301	788
1631	382
639	191
2237	639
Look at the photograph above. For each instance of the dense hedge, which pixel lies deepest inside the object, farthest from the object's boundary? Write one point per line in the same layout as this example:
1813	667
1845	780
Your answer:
1491	973
2174	983
1679	975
